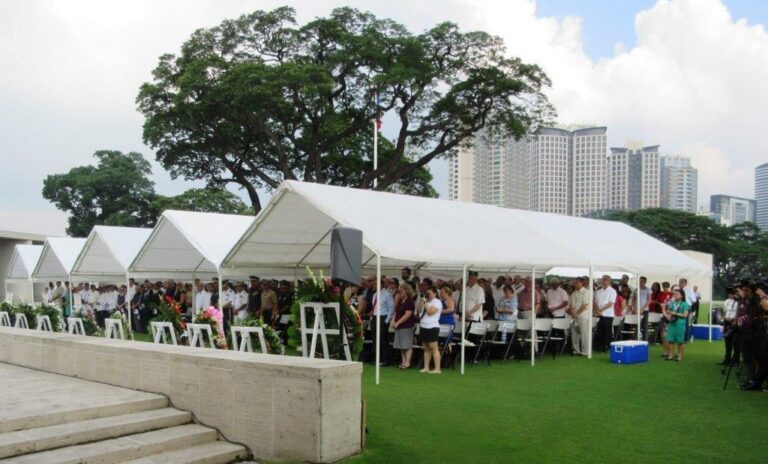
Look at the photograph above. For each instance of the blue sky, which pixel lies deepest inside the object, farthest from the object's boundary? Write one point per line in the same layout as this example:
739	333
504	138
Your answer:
607	22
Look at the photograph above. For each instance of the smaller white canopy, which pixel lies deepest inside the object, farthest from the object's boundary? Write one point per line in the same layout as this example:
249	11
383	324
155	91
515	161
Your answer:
186	244
57	258
108	251
23	262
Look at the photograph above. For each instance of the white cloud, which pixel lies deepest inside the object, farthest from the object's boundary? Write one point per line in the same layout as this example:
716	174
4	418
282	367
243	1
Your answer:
694	82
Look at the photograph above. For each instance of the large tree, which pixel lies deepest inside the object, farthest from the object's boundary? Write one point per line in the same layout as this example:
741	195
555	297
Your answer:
116	191
261	99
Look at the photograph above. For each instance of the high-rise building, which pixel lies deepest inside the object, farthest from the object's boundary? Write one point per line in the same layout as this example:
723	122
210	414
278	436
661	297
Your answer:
568	170
679	183
729	210
633	177
491	170
761	196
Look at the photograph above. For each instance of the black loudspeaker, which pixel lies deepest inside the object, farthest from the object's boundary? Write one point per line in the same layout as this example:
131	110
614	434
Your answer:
347	254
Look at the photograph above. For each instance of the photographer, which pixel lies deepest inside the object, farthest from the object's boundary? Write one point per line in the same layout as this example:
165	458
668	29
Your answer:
752	335
729	326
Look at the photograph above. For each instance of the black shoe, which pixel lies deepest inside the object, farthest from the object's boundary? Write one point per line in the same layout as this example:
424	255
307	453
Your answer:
383	364
722	363
751	386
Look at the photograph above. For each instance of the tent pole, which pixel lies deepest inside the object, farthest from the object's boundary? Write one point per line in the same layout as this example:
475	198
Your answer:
128	303
221	294
711	307
639	314
463	313
377	310
534	335
71	296
591	308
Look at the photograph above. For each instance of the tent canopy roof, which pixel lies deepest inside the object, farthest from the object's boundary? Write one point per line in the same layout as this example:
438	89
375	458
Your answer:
23	261
294	230
186	243
57	258
108	251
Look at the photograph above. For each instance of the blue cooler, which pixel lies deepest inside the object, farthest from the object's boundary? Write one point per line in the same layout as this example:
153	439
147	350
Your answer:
629	352
701	332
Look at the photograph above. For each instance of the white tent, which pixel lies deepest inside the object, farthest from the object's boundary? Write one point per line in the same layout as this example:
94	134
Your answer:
20	268
107	253
57	258
187	244
399	230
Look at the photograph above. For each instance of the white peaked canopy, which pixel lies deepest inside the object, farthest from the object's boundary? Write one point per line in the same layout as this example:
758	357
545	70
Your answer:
108	251
23	262
57	258
186	244
294	231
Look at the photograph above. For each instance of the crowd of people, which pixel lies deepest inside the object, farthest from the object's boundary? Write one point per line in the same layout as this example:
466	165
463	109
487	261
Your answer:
746	332
265	299
408	300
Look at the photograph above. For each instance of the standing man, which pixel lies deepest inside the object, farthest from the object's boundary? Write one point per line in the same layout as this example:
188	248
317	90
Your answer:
254	295
240	301
268	309
475	299
58	294
605	298
385	309
579	310
202	297
731	307
524	300
557	299
644	294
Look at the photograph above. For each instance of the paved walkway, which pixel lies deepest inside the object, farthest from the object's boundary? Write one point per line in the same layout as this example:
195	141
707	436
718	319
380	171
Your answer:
30	398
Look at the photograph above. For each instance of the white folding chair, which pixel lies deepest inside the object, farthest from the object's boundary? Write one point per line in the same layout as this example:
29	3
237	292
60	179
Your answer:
654	319
21	321
162	332
245	343
114	328
44	323
196	334
542	326
563	325
476	336
616	327
630	326
75	326
506	329
5	319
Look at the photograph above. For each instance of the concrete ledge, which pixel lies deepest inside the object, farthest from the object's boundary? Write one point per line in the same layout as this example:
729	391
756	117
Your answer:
282	407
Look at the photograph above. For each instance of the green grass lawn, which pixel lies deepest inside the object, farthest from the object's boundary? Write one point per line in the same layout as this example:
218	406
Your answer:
566	410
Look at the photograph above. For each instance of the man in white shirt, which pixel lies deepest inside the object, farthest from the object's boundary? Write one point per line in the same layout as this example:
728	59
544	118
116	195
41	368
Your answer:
517	284
475	299
240	301
48	293
579	311
731	307
85	296
129	294
202	297
557	299
644	294
605	299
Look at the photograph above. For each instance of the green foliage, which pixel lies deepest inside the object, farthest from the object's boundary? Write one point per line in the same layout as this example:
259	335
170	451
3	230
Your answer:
208	200
260	99
271	338
115	192
89	323
169	311
53	313
740	251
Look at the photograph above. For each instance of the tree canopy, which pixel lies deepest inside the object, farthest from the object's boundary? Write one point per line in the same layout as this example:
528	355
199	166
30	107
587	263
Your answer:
117	191
739	251
261	99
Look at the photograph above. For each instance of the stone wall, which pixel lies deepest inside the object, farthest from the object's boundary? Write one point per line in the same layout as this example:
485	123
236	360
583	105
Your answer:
282	407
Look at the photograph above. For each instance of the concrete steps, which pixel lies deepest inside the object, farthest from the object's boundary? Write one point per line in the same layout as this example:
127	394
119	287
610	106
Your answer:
117	426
